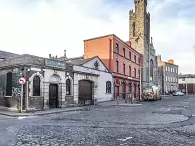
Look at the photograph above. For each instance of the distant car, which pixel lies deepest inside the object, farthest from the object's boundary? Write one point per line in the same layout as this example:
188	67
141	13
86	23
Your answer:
178	93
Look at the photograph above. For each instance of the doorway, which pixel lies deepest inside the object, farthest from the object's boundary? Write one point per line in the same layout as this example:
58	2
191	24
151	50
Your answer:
53	96
85	92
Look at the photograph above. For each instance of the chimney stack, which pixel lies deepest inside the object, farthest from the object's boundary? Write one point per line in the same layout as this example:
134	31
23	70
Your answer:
49	56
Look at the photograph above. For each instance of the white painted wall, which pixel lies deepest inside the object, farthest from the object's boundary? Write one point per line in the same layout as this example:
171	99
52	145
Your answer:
49	79
79	76
102	78
90	64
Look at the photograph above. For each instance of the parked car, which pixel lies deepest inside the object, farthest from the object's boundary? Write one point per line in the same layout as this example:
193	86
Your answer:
178	93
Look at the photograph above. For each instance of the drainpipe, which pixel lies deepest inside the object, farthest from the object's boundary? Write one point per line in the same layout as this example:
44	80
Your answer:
110	54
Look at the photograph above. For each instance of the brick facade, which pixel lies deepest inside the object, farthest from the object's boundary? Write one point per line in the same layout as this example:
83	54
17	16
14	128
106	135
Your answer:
111	50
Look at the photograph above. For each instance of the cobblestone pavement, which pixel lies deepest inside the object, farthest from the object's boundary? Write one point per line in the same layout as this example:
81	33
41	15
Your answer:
160	123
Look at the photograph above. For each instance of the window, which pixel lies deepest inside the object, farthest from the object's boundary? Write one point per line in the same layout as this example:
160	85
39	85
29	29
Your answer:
108	87
134	72
138	60
133	29
36	86
124	69
166	78
68	84
9	84
117	66
129	89
130	71
124	52
117	48
134	58
129	55
166	68
139	73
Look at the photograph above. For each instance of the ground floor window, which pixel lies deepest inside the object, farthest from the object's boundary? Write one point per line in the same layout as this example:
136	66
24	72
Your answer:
9	84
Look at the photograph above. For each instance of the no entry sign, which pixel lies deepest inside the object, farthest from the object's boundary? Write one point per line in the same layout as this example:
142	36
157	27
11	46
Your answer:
22	81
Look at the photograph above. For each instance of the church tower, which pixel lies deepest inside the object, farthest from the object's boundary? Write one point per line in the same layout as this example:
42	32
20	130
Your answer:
139	35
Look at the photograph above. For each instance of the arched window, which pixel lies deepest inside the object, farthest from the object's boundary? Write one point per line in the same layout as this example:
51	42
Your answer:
36	86
68	84
151	69
133	29
108	87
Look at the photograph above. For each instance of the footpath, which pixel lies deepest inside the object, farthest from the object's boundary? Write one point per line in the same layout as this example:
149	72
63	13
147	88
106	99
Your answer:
4	111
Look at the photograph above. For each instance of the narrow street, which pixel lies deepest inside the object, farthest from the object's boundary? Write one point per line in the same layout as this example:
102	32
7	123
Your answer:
170	121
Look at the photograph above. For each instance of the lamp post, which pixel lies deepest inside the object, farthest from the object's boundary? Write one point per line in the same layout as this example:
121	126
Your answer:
186	86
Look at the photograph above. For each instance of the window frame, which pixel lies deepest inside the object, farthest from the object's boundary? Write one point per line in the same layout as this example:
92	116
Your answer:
35	86
117	48
135	58
68	87
117	71
8	86
130	70
130	56
108	87
135	72
124	70
124	52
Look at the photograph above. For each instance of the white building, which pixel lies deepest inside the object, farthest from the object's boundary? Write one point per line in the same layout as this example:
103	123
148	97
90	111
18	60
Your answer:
92	81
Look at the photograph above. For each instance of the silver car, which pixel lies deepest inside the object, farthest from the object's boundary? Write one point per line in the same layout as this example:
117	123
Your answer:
178	93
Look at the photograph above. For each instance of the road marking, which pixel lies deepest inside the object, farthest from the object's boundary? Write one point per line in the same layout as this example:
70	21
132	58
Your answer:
125	139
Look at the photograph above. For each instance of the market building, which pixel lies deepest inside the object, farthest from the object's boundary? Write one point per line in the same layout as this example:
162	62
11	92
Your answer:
45	87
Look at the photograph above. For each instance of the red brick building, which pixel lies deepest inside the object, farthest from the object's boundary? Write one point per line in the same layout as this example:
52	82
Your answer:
122	60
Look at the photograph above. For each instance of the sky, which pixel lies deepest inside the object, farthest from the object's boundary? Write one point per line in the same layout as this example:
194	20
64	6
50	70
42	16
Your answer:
43	27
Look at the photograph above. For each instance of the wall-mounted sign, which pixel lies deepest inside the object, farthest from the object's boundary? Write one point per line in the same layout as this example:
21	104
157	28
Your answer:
54	63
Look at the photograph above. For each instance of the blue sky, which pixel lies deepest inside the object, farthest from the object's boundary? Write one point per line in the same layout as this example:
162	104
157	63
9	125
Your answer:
41	27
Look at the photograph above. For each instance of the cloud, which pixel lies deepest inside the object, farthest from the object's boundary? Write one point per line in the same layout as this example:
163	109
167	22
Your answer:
41	27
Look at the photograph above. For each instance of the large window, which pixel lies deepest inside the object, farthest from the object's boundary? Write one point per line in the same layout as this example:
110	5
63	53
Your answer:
139	73
129	55
134	58
130	71
108	87
9	84
124	52
124	69
117	66
36	86
117	50
134	72
68	84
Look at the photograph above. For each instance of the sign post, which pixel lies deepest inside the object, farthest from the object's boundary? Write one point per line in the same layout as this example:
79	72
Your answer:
22	81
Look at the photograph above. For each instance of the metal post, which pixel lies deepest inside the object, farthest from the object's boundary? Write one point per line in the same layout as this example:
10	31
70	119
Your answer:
186	87
26	95
21	102
140	86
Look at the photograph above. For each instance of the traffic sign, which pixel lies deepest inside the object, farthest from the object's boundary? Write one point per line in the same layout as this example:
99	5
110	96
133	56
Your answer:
22	81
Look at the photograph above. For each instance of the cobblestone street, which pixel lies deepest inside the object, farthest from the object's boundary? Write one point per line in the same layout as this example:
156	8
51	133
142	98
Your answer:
166	122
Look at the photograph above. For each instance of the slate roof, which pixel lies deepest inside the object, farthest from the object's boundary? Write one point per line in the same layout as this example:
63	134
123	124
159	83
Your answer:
7	55
79	61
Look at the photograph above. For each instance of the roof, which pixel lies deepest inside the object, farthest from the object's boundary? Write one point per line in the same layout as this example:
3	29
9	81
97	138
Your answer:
79	60
7	55
170	63
186	75
115	36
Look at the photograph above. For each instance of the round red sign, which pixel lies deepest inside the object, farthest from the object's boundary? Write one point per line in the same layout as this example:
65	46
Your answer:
22	81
